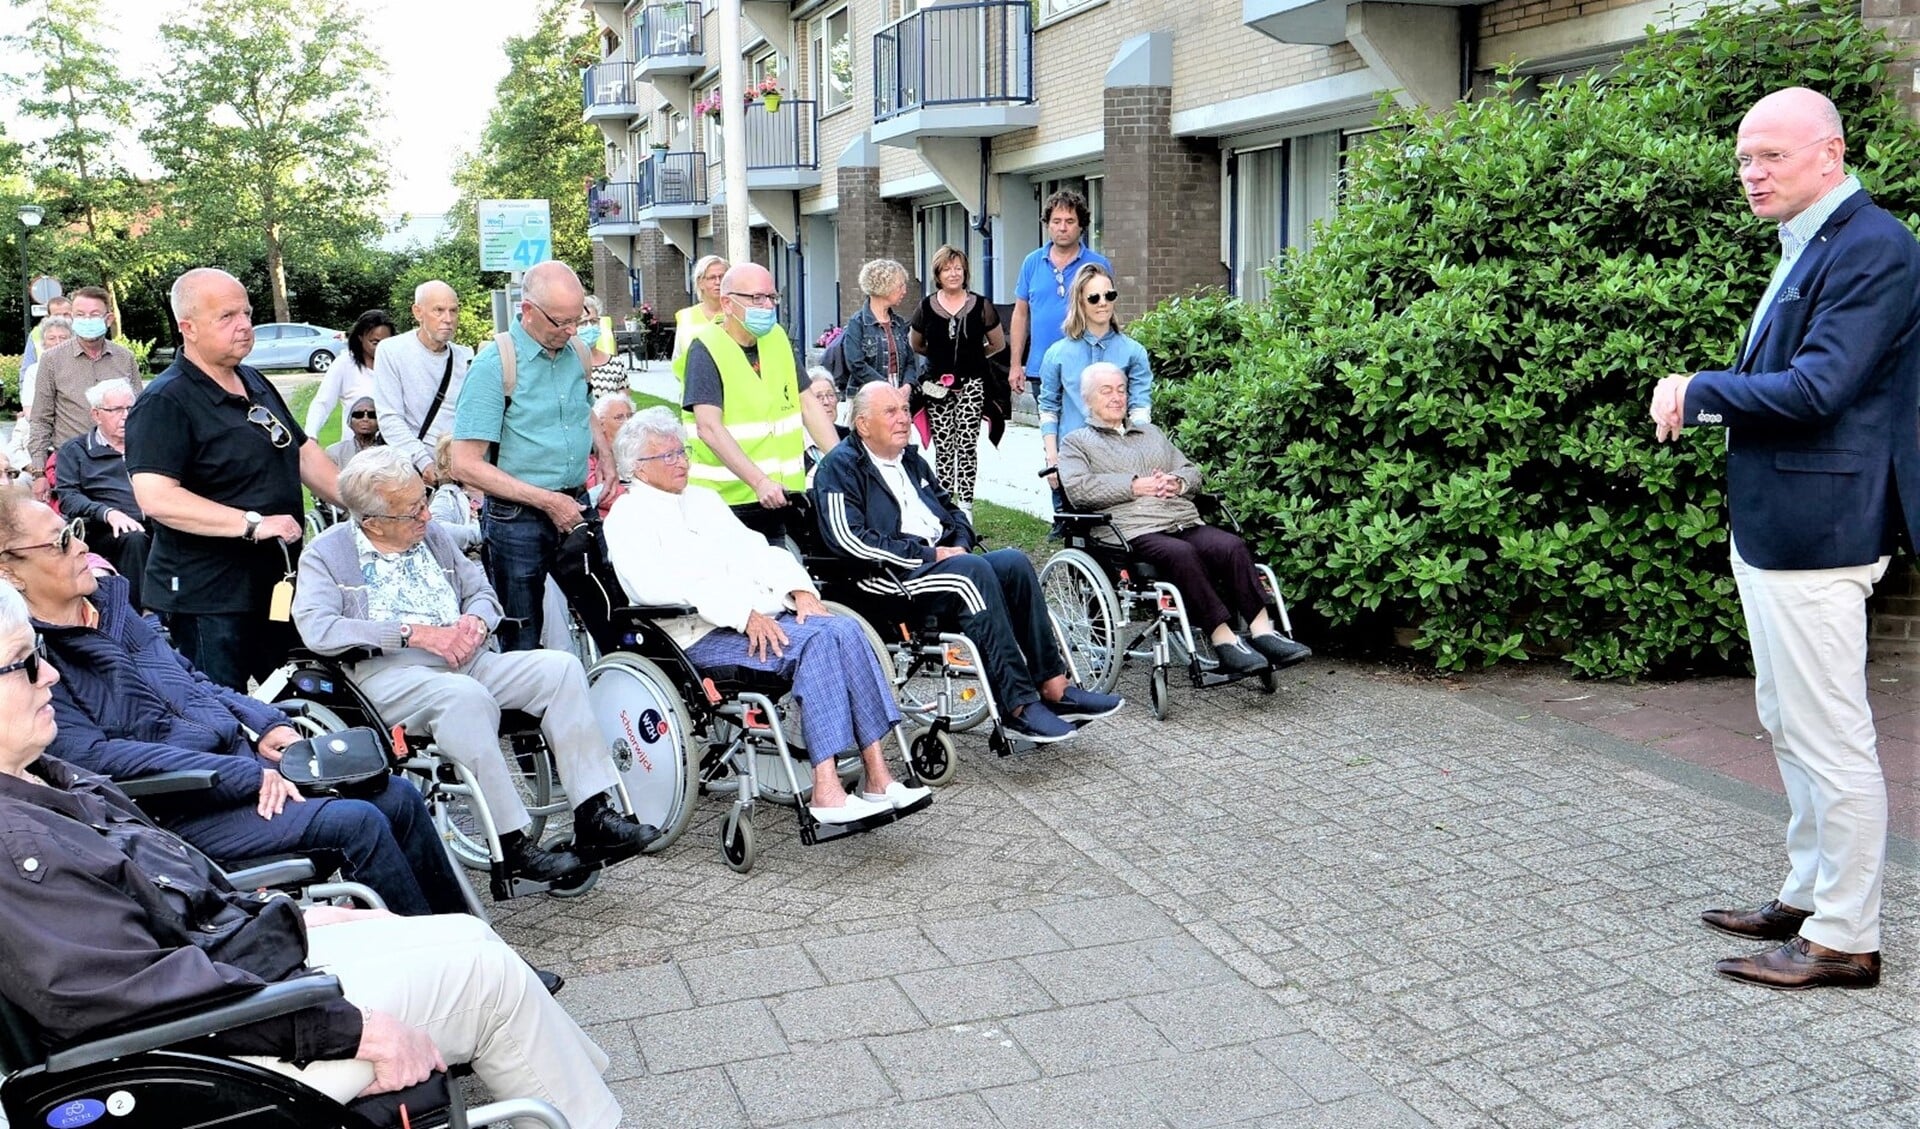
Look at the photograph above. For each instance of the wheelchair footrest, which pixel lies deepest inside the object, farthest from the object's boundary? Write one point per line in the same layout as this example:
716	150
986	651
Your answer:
813	832
1205	679
506	886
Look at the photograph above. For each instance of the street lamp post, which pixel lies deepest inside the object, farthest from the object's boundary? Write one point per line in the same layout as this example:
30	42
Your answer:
30	215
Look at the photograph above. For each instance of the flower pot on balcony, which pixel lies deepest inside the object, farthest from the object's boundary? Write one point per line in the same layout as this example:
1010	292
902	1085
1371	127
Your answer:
772	101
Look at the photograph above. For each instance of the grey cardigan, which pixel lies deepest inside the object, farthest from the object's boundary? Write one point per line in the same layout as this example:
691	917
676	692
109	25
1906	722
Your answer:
330	600
1097	468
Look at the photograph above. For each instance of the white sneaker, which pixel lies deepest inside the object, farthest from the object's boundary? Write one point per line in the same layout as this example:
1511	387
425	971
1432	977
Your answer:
854	810
897	795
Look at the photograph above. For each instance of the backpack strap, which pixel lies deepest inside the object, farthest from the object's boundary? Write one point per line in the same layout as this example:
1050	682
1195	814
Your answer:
509	380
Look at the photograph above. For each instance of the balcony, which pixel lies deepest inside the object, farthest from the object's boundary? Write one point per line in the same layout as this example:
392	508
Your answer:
667	41
612	209
783	146
962	70
673	186
606	92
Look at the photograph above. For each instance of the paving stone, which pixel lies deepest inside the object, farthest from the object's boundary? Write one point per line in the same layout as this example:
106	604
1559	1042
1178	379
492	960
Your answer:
950	1060
1073	1039
883	952
846	1011
820	1082
974	991
629	994
1219	1087
1217	1015
1107	920
707	1036
1103	1099
1133	968
994	938
958	1111
750	974
698	1099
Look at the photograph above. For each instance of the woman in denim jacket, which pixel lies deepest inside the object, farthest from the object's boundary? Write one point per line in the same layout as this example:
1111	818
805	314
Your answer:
876	344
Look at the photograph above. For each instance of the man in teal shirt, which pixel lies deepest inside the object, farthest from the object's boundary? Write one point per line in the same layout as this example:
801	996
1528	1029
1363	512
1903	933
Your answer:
535	482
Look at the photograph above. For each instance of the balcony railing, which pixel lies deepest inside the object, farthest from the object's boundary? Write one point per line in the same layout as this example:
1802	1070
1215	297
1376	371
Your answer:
612	203
668	29
669	179
787	138
607	84
974	53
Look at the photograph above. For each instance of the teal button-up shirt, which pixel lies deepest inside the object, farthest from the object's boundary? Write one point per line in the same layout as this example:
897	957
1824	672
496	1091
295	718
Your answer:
546	434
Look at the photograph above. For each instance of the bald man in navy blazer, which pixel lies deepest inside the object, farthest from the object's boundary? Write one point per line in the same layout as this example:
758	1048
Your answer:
1822	411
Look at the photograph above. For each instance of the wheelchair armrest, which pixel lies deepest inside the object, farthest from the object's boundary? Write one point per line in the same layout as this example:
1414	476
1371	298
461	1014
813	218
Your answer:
164	783
265	1003
350	655
283	872
1090	519
658	611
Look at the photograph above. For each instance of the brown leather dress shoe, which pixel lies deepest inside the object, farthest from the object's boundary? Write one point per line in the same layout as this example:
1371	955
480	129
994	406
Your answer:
1775	921
1800	964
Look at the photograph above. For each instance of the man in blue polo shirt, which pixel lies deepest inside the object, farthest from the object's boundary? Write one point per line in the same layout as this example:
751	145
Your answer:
536	481
1040	297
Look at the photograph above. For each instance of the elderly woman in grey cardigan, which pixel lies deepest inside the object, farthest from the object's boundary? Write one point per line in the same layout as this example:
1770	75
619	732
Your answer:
1134	474
396	584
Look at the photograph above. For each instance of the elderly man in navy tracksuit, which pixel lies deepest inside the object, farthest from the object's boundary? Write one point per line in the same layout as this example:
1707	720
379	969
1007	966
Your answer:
1823	470
878	501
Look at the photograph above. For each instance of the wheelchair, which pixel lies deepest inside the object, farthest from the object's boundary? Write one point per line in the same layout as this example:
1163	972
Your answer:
318	696
1110	607
936	673
153	1077
678	731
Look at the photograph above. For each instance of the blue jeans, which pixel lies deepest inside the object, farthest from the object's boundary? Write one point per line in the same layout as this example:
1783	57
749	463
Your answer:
521	544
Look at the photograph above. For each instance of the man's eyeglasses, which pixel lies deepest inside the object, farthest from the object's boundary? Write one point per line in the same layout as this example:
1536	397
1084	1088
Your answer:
119	411
571	323
1773	159
677	455
365	415
35	661
756	299
276	431
1099	297
69	533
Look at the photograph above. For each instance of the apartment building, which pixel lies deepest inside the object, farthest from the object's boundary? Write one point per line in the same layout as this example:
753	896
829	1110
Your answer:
1208	136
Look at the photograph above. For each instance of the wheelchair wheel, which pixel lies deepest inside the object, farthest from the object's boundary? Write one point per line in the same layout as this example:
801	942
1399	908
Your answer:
310	718
532	772
652	738
737	845
579	889
1157	693
919	694
1083	603
931	756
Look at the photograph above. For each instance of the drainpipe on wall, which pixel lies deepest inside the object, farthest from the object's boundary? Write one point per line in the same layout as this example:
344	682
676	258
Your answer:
983	223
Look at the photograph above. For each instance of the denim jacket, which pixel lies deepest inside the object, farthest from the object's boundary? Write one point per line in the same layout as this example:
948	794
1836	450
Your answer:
864	349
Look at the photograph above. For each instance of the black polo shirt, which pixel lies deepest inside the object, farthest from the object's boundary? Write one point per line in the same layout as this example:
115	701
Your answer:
187	427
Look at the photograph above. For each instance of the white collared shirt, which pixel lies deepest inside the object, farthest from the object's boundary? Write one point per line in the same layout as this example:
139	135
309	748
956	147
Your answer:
917	519
1795	234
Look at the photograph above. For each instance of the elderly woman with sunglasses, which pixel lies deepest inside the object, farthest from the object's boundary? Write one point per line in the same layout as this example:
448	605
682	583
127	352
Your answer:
1092	334
130	706
112	922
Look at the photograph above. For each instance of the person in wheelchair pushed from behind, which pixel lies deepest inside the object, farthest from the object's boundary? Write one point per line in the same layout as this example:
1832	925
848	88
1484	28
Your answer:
755	607
391	583
1133	473
877	501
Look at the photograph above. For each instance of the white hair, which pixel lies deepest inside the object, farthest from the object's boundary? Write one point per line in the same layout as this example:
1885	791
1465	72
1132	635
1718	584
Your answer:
818	373
13	613
97	395
1094	372
863	398
591	305
371	476
631	443
184	286
605	403
420	291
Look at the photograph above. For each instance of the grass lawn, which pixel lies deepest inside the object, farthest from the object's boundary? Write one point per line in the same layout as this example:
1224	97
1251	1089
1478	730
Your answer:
1009	528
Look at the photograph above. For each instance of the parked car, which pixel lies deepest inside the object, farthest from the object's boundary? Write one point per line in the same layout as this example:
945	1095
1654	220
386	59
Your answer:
283	345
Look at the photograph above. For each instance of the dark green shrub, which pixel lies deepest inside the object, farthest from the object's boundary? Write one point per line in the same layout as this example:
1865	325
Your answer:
9	384
1197	332
1441	416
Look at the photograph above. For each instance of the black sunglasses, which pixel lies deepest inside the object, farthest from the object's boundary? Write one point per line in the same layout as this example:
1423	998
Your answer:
365	415
277	432
35	659
1096	297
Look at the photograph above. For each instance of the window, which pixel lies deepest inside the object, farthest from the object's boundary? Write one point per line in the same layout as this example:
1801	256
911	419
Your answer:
1279	193
937	224
1050	9
832	55
1093	188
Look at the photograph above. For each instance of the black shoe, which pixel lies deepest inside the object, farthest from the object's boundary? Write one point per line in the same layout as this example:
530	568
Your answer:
1238	658
1281	651
533	862
551	981
603	834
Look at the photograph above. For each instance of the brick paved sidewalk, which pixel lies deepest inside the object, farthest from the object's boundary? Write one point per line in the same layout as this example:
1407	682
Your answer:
1366	901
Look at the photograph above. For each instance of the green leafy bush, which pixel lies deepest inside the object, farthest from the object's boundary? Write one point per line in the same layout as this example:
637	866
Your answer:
9	384
1440	419
1197	332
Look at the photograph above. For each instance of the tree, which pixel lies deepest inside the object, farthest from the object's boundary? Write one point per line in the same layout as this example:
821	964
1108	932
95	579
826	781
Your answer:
262	124
97	208
535	146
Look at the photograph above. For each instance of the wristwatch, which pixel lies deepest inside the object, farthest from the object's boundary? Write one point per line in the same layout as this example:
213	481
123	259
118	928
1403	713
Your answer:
406	635
253	523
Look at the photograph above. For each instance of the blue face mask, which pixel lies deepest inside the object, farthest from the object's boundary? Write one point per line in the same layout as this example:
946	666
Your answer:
589	333
759	321
93	329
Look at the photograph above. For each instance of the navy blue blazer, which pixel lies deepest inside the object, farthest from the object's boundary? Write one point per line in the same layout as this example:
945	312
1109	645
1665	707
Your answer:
1823	410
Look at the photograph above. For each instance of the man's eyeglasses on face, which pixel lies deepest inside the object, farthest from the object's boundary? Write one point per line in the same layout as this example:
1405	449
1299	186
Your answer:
555	322
277	432
119	411
756	299
68	534
35	661
1772	159
677	455
1100	297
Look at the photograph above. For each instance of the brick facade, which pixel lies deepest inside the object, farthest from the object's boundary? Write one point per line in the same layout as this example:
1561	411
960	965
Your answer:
1901	20
610	284
1162	201
758	249
663	274
872	228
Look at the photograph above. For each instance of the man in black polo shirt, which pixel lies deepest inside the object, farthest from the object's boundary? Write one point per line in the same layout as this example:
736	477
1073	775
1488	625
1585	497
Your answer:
217	461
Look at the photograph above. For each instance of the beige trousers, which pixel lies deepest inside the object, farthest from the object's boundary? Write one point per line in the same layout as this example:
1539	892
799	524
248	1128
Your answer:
452	977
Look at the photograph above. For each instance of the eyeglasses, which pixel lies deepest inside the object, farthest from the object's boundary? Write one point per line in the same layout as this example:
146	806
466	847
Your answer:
1773	159
1100	298
1060	284
570	323
69	533
365	415
119	411
677	455
419	512
276	431
35	661
756	299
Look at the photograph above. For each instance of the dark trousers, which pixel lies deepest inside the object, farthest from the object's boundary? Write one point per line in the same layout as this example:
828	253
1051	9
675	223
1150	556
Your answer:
231	647
1211	567
127	554
995	597
521	546
386	841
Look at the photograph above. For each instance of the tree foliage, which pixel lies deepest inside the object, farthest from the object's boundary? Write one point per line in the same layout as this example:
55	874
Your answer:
536	147
1440	418
262	124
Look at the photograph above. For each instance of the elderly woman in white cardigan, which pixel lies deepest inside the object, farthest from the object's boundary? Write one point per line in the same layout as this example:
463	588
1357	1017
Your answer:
754	606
